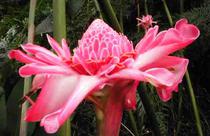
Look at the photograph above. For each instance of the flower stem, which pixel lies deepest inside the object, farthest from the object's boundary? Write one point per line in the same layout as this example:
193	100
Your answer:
59	19
195	107
146	7
170	20
178	126
189	84
181	6
138	13
121	14
98	8
27	81
111	14
59	32
149	109
133	123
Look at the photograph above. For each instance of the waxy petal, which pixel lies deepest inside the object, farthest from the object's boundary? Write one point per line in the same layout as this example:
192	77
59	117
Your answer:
48	60
54	94
60	51
85	85
33	69
22	57
33	49
39	81
171	40
178	67
156	76
66	53
56	47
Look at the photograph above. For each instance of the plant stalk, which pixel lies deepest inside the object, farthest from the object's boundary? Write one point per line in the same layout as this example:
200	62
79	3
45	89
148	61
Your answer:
59	32
111	14
98	9
146	7
181	6
138	13
189	83
194	104
178	126
59	19
121	14
27	81
149	108
133	123
170	20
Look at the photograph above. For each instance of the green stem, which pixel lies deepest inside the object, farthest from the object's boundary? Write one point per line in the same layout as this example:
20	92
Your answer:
133	123
59	32
111	14
146	7
149	108
121	14
181	6
98	8
59	19
170	20
179	113
138	13
27	81
189	84
194	104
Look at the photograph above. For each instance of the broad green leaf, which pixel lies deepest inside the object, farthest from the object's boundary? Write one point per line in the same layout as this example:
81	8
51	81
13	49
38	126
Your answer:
14	111
2	111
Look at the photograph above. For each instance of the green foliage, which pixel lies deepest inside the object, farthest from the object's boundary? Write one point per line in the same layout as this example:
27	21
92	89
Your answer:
80	14
200	17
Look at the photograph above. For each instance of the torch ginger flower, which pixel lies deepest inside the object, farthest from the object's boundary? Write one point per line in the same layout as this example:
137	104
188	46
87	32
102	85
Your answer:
105	63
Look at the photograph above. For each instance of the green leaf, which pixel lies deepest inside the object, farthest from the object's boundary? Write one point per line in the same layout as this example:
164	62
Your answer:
14	111
2	111
46	26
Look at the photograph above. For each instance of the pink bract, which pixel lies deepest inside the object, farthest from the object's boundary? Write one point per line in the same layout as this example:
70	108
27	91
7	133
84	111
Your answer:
104	58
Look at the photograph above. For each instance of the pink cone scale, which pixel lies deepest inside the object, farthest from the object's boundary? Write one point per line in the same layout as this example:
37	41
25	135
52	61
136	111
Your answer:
103	58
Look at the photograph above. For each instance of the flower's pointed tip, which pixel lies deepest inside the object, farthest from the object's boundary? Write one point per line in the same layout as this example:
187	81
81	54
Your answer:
98	20
26	46
49	38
